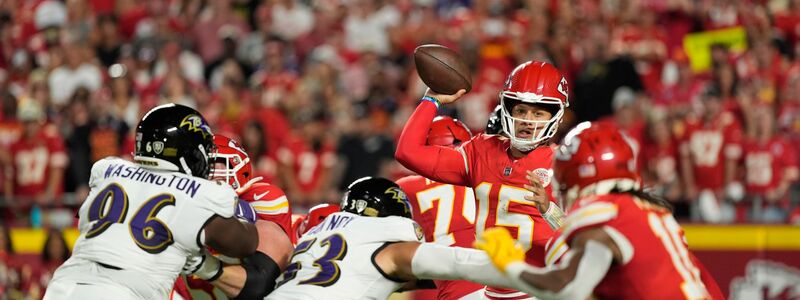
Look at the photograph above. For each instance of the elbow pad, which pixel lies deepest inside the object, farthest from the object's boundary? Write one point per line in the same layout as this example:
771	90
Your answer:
262	272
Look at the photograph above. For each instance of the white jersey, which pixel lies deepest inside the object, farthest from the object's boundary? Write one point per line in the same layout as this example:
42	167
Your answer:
336	259
139	225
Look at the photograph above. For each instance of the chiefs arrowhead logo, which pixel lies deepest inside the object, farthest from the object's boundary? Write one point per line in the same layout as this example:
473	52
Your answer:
766	279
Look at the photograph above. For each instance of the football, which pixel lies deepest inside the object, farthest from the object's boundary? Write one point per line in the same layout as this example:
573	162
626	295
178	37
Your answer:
442	69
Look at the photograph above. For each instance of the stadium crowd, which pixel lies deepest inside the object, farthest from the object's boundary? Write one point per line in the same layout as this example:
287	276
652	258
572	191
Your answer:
317	91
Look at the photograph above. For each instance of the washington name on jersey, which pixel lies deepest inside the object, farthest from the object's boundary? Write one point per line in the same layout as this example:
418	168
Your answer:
139	225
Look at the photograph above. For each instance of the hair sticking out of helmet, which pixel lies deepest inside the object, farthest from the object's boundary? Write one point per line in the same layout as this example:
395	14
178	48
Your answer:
539	84
594	160
376	197
231	162
446	131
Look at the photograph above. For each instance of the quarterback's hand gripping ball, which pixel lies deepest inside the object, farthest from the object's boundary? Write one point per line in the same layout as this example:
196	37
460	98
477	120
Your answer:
501	247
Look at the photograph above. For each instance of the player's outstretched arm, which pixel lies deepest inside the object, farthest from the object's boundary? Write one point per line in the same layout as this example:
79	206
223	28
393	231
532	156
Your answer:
438	163
590	256
413	260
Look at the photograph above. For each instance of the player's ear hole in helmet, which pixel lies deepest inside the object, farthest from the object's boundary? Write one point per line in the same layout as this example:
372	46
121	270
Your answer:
174	137
375	197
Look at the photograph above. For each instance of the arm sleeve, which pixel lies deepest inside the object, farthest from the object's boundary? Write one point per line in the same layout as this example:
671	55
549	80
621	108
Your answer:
273	206
432	261
435	162
593	264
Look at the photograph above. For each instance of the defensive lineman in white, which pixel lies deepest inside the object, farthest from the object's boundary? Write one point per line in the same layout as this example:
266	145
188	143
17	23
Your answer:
141	220
373	248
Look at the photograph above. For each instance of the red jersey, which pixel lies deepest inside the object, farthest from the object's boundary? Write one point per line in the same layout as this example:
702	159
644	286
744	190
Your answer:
446	214
270	204
765	163
661	163
656	262
708	146
497	180
308	164
789	121
484	164
33	160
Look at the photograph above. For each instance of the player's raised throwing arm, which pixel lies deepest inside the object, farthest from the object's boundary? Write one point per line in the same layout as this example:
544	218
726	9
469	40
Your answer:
435	162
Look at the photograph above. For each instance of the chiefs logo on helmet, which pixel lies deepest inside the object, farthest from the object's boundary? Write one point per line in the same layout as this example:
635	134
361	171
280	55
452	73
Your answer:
231	163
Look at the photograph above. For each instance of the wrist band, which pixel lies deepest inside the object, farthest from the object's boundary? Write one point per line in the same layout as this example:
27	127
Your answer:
432	100
554	216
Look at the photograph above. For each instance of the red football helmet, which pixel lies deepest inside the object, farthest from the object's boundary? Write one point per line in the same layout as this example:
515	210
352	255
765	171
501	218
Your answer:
446	131
316	215
237	169
534	82
594	159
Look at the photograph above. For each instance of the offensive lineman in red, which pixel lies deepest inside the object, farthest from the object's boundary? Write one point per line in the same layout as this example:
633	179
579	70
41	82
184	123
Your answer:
272	212
445	212
497	167
623	243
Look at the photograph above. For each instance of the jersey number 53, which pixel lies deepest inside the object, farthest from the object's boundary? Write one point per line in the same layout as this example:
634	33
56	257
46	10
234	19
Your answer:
329	271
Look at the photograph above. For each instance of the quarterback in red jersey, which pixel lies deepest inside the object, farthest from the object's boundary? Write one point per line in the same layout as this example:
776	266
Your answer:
271	212
445	212
497	167
623	243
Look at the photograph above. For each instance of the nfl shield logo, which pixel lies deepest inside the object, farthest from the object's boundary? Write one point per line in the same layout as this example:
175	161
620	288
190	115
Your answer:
158	146
507	171
361	205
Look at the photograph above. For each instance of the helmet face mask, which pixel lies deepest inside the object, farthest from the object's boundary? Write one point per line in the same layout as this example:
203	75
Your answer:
232	164
533	83
542	130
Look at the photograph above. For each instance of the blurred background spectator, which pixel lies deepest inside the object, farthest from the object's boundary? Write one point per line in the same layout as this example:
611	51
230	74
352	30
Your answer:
318	91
